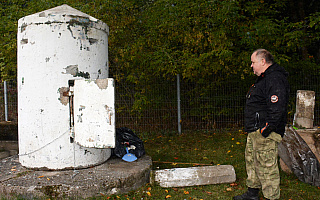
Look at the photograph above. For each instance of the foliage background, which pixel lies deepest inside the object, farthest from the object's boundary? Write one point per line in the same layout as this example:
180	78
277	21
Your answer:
207	42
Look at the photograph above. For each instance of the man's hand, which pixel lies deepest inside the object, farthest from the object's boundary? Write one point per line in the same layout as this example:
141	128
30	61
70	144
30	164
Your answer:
265	131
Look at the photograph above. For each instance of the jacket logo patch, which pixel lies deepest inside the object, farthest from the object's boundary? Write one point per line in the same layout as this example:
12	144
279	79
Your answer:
274	98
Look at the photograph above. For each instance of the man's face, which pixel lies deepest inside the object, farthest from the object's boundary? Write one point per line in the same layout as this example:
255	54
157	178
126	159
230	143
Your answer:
257	64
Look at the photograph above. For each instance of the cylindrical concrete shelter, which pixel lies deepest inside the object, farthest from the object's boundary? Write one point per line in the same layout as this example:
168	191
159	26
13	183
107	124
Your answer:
54	47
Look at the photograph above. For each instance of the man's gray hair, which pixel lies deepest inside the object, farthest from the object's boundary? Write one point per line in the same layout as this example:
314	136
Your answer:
262	53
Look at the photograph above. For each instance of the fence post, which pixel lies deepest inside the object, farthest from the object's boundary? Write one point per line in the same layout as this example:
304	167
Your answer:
179	108
5	101
304	116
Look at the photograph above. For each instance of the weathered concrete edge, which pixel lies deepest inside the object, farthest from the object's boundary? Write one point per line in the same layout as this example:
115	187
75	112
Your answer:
66	190
18	191
102	186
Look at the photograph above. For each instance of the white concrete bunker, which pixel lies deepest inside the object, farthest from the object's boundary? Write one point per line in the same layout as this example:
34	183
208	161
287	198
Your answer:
66	116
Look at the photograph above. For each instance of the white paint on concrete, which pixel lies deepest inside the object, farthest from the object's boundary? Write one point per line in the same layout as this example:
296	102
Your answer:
94	113
55	46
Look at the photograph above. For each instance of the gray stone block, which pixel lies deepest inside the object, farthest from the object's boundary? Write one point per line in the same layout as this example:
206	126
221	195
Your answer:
181	177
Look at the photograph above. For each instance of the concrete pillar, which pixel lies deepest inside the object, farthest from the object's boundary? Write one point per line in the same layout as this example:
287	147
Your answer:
304	116
54	47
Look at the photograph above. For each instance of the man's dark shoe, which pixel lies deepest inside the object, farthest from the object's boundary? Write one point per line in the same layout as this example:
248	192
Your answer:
251	194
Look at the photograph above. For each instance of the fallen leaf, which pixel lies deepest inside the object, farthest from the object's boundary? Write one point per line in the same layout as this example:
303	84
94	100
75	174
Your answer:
186	192
168	196
175	189
233	184
166	191
229	189
48	179
208	192
149	188
149	194
40	176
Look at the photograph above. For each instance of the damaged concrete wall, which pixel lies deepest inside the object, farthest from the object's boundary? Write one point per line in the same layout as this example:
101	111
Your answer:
92	115
55	46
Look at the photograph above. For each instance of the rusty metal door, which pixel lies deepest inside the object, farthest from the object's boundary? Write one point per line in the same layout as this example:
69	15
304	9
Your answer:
94	113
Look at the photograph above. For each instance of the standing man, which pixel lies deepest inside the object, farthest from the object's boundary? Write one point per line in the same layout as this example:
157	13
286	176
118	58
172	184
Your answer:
265	120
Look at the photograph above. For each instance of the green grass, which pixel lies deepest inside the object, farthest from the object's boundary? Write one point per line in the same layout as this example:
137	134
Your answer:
224	147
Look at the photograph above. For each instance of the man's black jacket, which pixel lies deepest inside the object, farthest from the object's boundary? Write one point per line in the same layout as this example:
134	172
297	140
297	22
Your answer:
267	100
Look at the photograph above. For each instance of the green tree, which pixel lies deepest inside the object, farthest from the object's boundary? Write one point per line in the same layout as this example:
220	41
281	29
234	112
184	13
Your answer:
208	42
197	39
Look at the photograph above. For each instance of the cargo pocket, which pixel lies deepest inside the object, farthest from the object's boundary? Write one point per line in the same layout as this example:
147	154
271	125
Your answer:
267	158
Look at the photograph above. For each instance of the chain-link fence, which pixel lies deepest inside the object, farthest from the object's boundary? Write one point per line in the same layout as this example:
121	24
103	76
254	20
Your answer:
153	105
203	106
8	101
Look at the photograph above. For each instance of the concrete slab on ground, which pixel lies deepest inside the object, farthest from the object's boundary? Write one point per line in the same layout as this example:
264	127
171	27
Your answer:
206	175
114	176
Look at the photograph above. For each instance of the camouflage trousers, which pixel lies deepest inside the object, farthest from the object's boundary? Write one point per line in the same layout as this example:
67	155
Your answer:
261	157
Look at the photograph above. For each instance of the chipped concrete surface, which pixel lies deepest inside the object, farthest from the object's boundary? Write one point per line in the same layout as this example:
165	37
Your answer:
113	176
64	97
102	83
72	69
